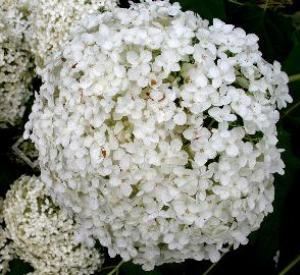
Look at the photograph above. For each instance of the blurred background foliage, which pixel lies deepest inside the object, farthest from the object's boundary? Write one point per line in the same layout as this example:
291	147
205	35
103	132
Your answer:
277	23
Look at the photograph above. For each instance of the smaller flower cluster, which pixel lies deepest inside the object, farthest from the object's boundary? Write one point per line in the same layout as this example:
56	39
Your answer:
30	31
16	66
51	22
42	234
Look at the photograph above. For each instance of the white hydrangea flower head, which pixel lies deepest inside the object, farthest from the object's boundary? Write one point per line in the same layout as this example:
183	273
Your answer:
51	22
158	131
42	234
16	66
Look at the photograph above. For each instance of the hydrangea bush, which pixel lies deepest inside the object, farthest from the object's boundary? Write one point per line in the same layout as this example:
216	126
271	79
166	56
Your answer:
158	130
42	234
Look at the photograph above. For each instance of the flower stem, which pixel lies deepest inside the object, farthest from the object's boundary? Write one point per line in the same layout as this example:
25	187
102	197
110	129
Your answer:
107	267
116	269
210	268
236	2
290	265
292	108
211	123
295	77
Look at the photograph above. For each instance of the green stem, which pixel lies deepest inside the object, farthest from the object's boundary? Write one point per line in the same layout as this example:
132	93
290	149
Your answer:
211	123
116	269
295	77
210	268
290	266
296	105
108	267
236	2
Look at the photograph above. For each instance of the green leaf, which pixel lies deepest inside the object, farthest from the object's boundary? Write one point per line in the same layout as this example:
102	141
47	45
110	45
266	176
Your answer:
296	20
275	31
291	66
18	267
207	9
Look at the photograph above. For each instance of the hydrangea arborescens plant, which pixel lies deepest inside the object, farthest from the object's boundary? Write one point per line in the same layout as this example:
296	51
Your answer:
42	234
158	131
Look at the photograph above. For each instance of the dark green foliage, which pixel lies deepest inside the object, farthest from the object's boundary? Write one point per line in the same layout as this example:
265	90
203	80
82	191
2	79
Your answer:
208	9
17	267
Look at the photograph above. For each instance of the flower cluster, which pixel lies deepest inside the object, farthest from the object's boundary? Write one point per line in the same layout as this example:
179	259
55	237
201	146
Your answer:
51	22
158	131
42	234
16	65
30	31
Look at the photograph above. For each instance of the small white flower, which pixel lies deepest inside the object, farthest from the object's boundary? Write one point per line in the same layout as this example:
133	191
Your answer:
276	257
16	66
180	118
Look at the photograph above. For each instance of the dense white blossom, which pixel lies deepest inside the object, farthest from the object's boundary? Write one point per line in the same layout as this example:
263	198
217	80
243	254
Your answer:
42	234
158	131
16	65
27	28
51	22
